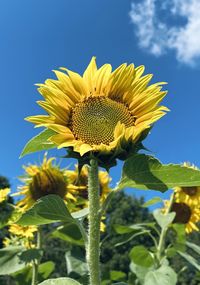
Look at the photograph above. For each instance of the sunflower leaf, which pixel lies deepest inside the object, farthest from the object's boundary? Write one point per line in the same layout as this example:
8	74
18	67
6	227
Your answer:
60	281
146	172
48	209
190	259
164	275
9	259
39	142
24	276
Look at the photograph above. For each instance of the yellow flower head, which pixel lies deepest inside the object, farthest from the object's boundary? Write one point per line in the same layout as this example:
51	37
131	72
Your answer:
103	111
23	231
4	194
187	215
20	236
188	195
42	180
81	181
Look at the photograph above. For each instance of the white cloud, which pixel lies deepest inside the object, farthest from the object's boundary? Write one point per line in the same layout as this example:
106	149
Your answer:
158	35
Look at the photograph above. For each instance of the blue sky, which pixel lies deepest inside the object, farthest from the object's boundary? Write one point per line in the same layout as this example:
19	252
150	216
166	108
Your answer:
39	36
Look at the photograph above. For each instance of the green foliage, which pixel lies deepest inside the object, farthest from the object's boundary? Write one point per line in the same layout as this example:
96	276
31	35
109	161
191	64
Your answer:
153	201
69	233
146	172
117	275
190	259
10	261
123	210
139	272
4	182
39	142
54	249
194	247
30	254
60	281
24	276
48	209
6	212
164	220
165	275
141	256
76	263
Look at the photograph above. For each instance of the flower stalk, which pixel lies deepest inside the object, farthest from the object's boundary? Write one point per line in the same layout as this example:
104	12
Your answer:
161	243
93	248
36	262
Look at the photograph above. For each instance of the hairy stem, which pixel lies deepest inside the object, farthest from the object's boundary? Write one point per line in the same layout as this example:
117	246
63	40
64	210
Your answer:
93	248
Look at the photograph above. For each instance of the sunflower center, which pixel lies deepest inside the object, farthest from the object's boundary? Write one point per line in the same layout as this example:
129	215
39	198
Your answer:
191	191
47	181
94	120
183	213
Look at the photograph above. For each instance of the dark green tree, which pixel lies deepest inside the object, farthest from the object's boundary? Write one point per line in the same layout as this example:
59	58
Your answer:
4	182
123	210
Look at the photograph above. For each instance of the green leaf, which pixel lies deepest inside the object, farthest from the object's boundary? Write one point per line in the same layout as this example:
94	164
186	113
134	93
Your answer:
128	237
165	275
39	142
30	255
9	259
24	276
180	237
146	172
120	229
76	263
162	219
190	259
48	209
80	214
152	201
117	275
141	256
139	271
120	283
171	252
194	247
60	281
69	233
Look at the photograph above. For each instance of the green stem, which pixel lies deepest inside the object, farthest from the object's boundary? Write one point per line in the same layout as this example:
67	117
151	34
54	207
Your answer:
161	243
34	273
93	248
36	262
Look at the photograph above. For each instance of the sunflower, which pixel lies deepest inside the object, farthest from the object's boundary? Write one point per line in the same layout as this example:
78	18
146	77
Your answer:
23	231
42	180
81	181
20	236
104	112
188	195
185	214
4	194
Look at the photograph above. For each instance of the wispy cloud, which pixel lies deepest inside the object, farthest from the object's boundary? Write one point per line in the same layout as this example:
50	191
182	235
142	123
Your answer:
179	30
